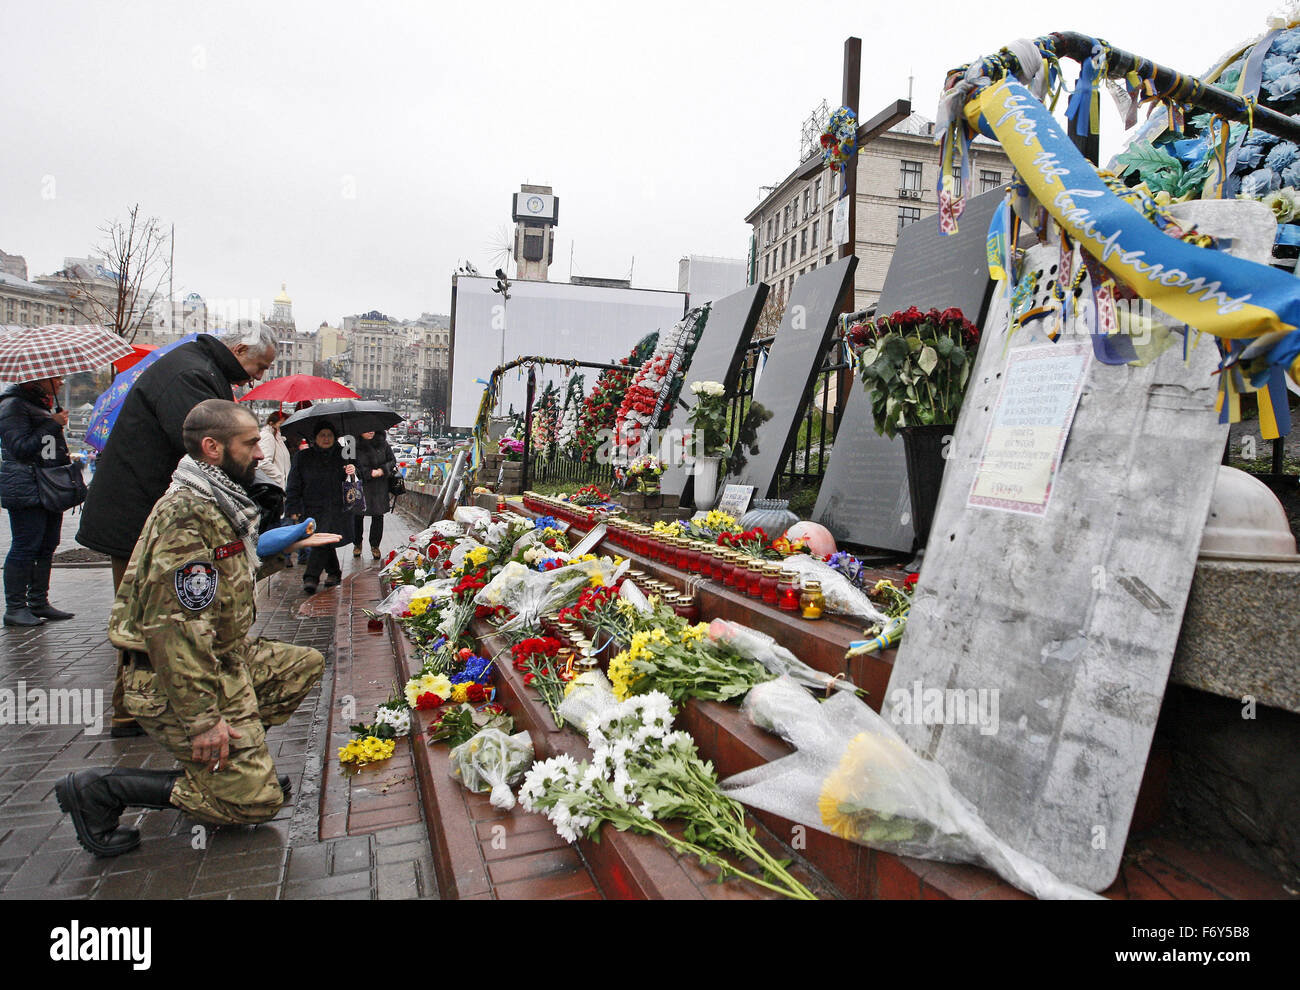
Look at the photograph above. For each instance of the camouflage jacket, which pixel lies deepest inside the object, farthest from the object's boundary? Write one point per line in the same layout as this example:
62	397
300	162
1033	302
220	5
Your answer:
187	600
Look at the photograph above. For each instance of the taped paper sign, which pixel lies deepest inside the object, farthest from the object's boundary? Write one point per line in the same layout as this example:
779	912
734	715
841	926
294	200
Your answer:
1022	451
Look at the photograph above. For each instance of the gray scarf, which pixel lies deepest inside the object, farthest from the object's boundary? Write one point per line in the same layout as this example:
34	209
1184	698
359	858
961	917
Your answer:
213	483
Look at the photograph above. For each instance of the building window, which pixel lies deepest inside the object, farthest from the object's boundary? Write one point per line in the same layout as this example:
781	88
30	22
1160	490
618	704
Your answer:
835	184
807	198
828	259
989	180
765	266
814	237
782	255
785	220
817	195
803	243
910	177
769	231
906	215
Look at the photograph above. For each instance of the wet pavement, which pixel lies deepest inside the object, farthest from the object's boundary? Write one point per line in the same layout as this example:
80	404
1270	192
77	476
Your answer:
179	858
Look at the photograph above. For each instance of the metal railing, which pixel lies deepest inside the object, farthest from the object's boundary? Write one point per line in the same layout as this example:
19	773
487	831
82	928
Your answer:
822	407
560	469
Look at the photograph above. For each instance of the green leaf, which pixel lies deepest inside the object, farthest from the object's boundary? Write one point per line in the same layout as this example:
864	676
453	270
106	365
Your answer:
1148	160
895	348
928	359
958	356
944	346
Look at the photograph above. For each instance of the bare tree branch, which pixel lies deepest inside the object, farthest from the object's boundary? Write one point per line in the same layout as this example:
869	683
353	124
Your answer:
134	252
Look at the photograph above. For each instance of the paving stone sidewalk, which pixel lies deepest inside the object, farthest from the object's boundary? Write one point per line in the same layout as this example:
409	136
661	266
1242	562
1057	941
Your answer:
178	858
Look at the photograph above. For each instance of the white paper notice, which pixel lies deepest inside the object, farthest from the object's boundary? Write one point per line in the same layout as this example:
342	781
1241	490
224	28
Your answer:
1040	391
840	221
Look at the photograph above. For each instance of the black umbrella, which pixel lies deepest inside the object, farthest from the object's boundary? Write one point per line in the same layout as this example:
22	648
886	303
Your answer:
347	416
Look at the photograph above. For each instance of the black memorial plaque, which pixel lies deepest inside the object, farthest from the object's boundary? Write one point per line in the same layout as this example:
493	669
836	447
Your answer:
792	366
863	498
723	340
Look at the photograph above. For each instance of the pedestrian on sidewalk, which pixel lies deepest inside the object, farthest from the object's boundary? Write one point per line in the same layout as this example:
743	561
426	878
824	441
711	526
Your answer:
375	464
194	680
316	490
273	474
146	444
31	438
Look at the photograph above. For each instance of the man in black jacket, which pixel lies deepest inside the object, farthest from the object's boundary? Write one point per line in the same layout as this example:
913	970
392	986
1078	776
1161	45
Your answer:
146	445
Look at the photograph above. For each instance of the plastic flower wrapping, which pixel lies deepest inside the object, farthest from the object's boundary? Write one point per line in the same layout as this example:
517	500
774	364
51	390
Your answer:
852	775
493	761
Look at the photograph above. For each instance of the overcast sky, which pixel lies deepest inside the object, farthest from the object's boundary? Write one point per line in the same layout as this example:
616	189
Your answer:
361	151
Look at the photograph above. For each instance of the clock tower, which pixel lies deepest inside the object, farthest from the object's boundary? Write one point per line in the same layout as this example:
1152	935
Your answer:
536	214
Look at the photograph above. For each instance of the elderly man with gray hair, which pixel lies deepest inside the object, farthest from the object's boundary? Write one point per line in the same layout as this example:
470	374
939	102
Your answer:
147	443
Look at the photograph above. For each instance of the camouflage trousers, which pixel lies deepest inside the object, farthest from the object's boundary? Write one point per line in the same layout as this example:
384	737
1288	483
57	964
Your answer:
262	690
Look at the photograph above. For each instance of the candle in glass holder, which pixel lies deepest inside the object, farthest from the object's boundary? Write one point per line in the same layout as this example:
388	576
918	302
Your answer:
812	603
772	583
788	593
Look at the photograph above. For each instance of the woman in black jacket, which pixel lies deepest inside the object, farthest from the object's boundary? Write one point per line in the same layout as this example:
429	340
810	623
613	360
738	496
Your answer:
375	465
31	436
316	490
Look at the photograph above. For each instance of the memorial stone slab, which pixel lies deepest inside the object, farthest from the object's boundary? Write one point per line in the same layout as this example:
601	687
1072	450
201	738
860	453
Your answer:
1068	619
863	498
792	366
723	340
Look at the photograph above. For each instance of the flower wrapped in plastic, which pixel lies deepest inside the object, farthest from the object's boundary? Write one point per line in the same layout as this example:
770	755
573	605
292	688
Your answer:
841	594
493	761
531	594
472	516
853	776
773	656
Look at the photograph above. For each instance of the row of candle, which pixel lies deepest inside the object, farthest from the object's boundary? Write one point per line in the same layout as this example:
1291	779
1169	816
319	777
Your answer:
762	580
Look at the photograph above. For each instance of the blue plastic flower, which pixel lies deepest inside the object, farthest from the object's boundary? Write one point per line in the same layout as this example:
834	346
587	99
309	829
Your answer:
1281	156
1249	157
545	522
1286	43
1286	86
1259	182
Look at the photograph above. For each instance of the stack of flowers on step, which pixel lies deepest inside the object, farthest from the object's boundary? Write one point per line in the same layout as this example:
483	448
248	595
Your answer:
376	740
641	775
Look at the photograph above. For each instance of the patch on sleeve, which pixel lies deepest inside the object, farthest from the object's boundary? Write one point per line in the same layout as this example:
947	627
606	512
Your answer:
196	585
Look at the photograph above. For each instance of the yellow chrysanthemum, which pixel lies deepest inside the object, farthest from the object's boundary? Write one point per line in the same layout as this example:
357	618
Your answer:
460	693
695	632
621	675
367	750
863	779
419	606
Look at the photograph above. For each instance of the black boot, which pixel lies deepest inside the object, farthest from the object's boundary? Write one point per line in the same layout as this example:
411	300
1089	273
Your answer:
38	593
96	799
286	785
17	578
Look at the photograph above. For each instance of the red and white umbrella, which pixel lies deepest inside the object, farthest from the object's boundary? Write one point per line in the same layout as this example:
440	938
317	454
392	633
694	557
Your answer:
30	355
297	388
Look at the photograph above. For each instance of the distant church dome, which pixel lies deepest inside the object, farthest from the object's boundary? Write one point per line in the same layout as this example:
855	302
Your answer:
283	297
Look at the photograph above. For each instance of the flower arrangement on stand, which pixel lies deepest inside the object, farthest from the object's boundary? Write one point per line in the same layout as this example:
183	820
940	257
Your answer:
645	472
709	419
915	365
655	387
566	434
511	448
600	408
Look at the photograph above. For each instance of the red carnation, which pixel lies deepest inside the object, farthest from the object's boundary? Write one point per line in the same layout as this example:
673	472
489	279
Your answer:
909	582
476	694
426	701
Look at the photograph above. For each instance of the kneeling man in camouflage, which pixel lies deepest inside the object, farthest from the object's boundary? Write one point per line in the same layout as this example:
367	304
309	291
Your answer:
195	682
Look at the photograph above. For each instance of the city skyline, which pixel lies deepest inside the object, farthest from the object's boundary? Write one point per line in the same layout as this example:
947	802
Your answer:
361	161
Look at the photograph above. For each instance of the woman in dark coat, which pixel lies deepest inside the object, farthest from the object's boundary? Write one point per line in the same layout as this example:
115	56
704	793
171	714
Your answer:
375	465
316	490
31	436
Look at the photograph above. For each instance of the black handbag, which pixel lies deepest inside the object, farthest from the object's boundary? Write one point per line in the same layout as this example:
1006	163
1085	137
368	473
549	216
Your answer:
396	485
60	488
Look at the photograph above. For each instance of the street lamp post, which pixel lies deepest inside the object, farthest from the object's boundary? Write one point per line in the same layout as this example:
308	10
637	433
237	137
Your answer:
503	287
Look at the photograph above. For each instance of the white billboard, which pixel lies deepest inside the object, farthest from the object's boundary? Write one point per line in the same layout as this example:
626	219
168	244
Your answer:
544	319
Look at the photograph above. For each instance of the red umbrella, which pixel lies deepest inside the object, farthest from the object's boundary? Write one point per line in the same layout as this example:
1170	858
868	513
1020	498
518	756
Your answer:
295	388
138	353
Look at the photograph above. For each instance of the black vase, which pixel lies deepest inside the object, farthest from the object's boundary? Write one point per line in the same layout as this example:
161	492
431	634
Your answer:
923	448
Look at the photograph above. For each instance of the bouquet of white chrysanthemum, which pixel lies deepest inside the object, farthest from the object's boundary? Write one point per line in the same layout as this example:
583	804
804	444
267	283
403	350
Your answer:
642	773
